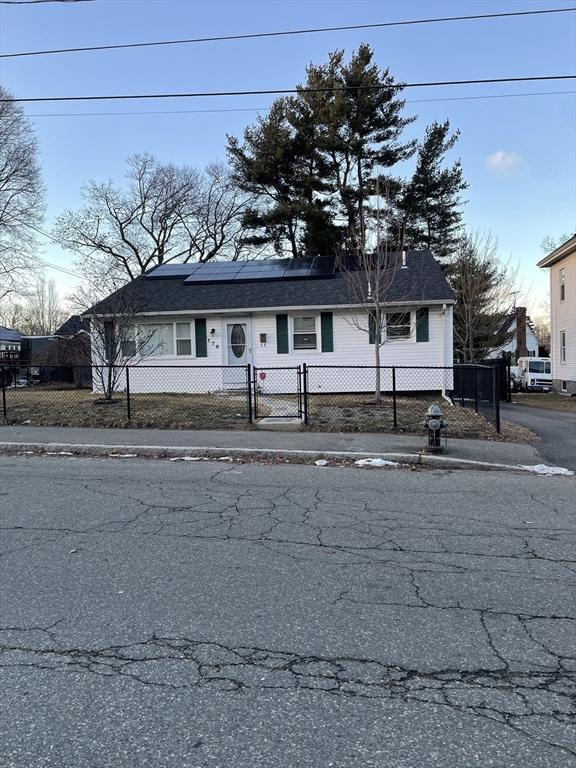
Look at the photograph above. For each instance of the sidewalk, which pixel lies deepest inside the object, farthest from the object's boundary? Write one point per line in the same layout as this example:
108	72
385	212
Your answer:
366	443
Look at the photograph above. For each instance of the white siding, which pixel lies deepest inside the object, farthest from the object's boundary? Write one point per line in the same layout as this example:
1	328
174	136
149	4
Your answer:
563	318
531	343
351	348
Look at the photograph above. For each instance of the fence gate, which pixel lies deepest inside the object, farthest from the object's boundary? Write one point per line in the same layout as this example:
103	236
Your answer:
278	393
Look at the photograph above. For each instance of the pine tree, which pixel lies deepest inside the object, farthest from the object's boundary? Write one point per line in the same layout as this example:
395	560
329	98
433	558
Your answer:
429	206
359	130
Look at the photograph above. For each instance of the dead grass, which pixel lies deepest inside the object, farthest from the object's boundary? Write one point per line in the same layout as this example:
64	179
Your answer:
79	408
550	400
359	413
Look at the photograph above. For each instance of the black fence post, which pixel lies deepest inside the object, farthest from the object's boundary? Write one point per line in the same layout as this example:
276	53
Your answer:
394	408
255	388
300	409
128	405
476	389
496	395
249	391
4	393
305	391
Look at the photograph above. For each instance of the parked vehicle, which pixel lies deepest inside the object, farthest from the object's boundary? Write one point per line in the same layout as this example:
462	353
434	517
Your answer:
534	374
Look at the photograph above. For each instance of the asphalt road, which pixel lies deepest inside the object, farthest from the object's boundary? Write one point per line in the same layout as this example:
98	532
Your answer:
216	615
556	430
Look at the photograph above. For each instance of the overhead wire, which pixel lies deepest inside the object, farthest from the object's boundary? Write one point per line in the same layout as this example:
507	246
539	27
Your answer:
280	91
282	33
267	109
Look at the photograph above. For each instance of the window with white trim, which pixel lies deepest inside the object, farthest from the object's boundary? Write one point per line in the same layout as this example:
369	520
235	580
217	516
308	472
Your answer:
562	285
398	326
304	334
562	346
156	339
183	339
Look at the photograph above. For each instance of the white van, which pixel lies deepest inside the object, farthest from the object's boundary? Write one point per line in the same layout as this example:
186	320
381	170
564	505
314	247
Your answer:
534	373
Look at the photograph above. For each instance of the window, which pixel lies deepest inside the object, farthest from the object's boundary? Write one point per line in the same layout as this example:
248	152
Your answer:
562	285
304	332
157	340
539	366
564	386
562	346
129	343
397	325
183	339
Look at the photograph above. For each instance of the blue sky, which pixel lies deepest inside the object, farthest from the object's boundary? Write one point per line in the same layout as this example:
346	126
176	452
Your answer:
518	154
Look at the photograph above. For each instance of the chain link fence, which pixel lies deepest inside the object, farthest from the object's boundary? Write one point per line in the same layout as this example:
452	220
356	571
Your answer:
324	398
396	398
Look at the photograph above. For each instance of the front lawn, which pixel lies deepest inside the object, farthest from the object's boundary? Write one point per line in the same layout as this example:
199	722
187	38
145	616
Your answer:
39	406
359	413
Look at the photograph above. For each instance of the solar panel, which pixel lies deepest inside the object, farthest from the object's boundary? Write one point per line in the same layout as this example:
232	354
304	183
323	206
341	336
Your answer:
245	271
173	270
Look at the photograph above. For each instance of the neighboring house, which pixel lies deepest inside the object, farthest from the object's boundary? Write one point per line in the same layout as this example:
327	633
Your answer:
76	324
282	313
562	265
10	342
522	339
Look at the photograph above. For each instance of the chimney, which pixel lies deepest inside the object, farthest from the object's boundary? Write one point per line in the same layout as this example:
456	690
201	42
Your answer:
521	348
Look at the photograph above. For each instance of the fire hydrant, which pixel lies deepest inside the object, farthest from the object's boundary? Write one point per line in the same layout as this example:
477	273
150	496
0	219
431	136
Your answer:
434	423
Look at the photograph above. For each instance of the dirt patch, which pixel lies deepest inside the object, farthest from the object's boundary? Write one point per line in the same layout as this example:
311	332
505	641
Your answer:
550	400
79	408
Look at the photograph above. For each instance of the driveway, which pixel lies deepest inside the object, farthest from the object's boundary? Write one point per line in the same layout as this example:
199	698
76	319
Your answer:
211	614
556	430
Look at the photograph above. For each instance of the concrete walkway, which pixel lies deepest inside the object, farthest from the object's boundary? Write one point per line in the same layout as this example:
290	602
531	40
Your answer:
475	450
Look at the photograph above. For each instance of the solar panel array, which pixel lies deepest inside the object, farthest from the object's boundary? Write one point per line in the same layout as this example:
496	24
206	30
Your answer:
248	271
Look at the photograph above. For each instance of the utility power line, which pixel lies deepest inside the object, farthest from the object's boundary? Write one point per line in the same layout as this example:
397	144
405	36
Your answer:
35	2
284	33
267	109
279	91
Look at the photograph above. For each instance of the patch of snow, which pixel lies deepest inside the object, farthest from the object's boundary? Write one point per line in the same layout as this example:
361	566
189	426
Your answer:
542	469
224	458
123	455
321	463
376	463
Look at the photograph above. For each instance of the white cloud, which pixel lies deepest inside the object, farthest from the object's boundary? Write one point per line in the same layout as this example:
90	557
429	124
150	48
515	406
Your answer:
504	163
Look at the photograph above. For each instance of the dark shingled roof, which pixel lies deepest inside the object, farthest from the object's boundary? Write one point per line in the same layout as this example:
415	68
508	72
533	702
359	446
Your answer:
73	325
7	334
422	281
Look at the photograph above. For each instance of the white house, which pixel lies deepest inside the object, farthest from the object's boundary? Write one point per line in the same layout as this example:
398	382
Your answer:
202	319
522	342
562	265
9	341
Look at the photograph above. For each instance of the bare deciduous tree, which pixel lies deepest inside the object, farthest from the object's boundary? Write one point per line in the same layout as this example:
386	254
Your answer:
484	297
370	273
21	193
115	340
166	214
42	311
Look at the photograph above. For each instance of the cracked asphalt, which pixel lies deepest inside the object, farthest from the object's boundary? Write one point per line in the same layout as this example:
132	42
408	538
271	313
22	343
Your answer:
210	615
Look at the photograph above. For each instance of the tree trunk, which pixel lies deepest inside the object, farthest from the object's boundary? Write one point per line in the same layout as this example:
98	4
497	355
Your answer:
378	382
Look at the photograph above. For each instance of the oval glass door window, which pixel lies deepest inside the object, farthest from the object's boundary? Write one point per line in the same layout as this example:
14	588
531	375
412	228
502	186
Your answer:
238	340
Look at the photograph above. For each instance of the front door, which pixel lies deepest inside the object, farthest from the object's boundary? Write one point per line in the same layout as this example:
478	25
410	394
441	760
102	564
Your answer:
237	353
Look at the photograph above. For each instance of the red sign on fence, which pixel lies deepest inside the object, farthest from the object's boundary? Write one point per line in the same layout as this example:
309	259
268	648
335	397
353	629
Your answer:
262	375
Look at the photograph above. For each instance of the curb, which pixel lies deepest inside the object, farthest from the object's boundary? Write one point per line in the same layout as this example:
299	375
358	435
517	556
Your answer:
161	451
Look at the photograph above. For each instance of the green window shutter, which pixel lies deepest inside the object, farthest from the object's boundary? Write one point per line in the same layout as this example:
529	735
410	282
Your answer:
372	328
422	332
200	337
282	347
326	326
